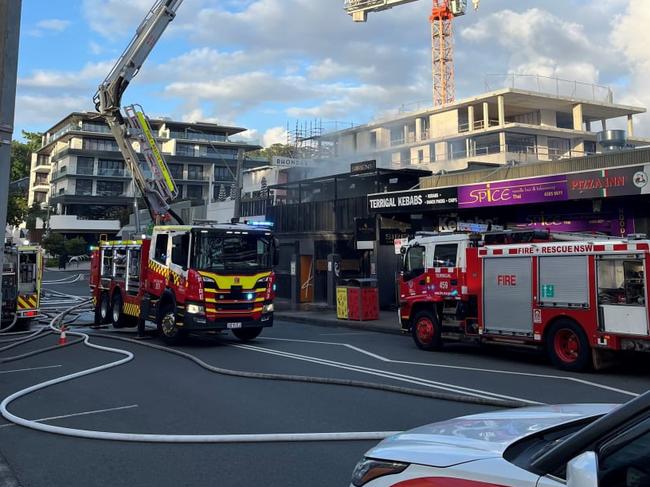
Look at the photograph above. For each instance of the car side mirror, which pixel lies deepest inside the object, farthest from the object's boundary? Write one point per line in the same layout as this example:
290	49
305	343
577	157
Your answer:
582	471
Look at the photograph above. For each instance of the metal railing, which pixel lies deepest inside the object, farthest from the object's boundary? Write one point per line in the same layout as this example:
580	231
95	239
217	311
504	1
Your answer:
519	153
551	86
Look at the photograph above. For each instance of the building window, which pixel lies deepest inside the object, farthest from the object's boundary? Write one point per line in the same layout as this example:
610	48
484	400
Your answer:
521	143
110	188
220	152
195	173
557	147
187	150
420	156
457	149
84	187
590	147
100	145
42	161
222	174
176	170
85	166
39	197
485	144
98	127
109	167
41	179
194	192
191	134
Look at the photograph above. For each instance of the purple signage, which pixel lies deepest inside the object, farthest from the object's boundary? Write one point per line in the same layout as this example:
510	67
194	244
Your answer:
518	192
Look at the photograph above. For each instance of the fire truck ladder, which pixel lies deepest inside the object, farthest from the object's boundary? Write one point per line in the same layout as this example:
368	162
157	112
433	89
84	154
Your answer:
151	175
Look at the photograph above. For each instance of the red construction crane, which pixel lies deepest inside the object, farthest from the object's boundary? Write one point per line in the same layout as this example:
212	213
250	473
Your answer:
442	41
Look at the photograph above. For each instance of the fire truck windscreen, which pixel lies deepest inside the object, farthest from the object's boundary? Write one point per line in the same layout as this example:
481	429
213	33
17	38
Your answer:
218	251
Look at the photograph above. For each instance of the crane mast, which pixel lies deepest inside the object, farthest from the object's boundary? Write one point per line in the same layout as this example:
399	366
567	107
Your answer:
151	176
442	41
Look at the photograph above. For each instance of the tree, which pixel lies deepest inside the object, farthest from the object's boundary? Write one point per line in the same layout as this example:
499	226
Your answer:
76	246
54	243
281	150
21	154
35	211
16	209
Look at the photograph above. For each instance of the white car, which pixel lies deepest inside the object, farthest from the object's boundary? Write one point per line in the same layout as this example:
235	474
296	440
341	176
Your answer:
582	445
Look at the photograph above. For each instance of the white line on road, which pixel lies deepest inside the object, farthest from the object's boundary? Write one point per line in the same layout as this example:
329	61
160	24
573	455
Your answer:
83	413
345	334
389	375
31	368
459	367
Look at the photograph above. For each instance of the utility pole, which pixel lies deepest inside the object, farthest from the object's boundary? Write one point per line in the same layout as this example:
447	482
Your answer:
239	179
9	33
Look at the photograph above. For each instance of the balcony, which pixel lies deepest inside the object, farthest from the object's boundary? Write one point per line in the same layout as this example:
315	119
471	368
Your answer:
478	125
116	173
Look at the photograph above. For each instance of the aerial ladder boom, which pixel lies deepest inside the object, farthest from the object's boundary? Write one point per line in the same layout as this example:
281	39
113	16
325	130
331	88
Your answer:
151	176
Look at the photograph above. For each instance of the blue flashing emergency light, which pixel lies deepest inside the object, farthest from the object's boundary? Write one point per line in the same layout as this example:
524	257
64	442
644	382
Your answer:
250	296
262	224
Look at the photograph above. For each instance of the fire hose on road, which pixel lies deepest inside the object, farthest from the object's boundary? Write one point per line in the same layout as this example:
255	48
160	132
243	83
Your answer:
219	438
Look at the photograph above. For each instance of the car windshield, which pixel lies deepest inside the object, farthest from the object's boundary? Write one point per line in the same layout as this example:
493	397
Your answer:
218	250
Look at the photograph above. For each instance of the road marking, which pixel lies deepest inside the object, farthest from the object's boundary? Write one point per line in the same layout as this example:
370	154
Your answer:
389	375
83	413
345	334
31	368
459	367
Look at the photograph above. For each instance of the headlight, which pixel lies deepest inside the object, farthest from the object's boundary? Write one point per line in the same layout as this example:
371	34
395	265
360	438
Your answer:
369	469
194	309
268	308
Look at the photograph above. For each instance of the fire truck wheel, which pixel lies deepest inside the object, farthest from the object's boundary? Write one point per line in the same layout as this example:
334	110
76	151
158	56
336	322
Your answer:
117	312
102	311
247	334
426	331
568	347
170	333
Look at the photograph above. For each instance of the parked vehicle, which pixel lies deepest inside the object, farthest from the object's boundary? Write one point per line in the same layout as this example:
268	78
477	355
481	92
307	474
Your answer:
581	300
22	273
585	445
191	278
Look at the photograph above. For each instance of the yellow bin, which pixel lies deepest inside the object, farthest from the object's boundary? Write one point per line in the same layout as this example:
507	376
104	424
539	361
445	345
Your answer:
342	303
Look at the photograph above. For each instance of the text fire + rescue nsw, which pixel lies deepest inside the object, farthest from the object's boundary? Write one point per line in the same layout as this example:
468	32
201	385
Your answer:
556	249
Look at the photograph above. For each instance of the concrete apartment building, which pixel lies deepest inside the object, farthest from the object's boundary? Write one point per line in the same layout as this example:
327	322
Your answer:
517	124
81	175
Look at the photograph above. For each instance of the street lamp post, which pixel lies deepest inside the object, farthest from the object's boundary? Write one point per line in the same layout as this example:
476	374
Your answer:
9	33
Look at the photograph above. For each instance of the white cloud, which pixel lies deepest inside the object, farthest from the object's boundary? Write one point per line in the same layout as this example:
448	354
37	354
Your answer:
114	18
46	110
274	135
49	26
91	72
630	30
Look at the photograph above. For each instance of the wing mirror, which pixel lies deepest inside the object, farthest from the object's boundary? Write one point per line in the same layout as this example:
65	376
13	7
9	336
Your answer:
582	471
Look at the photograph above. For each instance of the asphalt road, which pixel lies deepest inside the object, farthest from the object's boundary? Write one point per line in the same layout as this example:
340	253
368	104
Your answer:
161	393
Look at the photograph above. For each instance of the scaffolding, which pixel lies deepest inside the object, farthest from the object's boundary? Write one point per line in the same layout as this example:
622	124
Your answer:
306	137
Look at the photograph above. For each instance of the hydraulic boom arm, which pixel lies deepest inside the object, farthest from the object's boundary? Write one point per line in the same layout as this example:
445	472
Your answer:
152	175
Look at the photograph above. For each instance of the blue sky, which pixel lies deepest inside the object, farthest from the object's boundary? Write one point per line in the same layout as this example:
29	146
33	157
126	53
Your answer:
261	64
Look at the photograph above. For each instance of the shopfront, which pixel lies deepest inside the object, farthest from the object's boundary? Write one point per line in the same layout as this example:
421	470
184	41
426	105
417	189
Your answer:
611	202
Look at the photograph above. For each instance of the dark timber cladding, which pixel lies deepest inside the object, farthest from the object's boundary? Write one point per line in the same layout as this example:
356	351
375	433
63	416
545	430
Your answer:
315	223
331	203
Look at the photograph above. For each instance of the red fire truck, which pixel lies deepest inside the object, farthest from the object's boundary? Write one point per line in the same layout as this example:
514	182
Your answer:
188	279
580	300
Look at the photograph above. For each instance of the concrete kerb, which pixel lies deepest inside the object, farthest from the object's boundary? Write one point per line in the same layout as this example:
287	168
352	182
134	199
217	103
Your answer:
317	319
